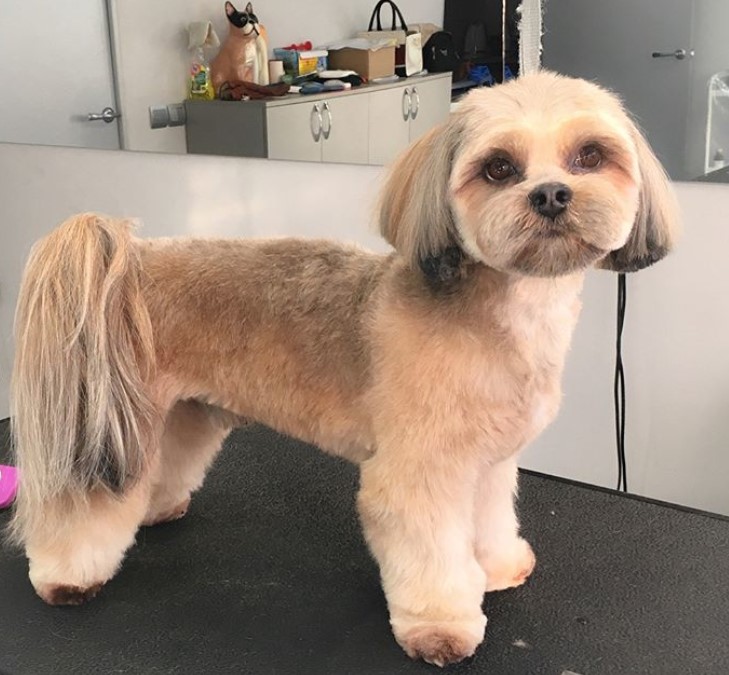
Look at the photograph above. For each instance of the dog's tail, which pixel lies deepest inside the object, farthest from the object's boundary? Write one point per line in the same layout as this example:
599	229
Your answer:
80	417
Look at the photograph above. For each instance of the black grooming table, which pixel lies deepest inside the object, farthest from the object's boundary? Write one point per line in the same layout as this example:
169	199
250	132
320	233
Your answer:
268	573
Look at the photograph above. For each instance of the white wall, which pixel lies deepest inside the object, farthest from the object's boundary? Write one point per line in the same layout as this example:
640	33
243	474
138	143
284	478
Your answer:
152	56
676	355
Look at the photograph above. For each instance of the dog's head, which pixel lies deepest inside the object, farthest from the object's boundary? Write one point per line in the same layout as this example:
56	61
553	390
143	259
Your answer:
543	176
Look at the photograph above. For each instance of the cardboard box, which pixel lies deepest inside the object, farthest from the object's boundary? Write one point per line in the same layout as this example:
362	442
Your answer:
368	63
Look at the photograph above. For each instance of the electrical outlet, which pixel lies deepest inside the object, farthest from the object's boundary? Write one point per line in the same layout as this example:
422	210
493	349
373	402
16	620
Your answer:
176	113
159	117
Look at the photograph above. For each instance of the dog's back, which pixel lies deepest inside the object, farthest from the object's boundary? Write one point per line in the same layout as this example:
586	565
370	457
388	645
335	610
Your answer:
248	325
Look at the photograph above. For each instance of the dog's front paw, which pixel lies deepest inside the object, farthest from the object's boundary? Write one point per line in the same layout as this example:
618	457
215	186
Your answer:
508	567
441	643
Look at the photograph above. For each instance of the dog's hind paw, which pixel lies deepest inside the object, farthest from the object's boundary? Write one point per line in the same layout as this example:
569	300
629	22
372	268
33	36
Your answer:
167	516
67	595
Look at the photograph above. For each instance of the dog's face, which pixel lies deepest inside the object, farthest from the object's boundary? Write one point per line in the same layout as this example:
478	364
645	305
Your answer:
543	176
547	182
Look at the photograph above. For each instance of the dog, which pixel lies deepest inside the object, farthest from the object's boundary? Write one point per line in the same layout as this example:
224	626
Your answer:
430	367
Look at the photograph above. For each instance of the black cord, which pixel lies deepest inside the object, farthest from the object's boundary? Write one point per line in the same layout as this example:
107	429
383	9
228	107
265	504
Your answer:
619	387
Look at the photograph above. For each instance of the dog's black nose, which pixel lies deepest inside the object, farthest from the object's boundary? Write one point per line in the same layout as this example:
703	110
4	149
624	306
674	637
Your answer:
550	199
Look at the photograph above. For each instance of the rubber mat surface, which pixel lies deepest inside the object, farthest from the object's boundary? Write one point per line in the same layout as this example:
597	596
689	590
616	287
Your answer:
268	573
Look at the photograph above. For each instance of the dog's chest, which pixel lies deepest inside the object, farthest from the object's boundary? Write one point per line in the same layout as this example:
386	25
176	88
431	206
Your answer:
517	387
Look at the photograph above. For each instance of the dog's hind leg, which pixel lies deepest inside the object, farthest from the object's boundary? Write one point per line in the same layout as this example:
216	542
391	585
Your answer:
194	433
85	424
79	543
505	557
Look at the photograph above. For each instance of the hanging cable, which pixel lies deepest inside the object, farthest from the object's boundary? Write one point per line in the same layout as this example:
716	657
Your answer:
619	387
503	40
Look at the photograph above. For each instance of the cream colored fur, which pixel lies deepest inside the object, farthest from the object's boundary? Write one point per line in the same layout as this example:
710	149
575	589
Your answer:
431	367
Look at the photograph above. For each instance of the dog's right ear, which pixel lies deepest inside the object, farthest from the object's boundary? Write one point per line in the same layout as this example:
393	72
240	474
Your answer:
230	10
415	213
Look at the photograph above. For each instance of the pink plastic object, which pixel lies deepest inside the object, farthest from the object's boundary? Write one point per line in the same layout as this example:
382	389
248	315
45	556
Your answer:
8	485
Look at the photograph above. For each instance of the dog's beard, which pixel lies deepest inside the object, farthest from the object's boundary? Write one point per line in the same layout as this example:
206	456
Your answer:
552	249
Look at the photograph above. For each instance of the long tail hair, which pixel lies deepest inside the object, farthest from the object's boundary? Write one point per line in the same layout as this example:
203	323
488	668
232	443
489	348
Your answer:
80	415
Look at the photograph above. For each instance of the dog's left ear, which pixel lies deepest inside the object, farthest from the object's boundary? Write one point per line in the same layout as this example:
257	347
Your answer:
415	213
656	222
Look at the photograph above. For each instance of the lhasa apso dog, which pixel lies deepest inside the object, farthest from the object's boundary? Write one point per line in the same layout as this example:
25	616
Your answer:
431	367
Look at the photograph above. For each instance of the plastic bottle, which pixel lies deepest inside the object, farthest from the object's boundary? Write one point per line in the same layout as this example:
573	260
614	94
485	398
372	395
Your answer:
200	86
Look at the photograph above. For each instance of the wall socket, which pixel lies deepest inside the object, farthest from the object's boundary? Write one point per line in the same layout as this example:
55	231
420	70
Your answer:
161	116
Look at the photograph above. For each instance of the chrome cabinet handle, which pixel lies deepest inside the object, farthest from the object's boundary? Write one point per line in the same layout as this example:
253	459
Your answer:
679	54
314	117
406	99
326	130
107	115
416	99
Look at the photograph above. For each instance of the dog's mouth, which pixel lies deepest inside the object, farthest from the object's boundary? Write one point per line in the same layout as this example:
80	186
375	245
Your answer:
548	228
555	250
551	232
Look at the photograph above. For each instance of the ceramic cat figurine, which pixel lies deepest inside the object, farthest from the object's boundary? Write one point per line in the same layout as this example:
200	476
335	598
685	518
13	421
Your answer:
243	57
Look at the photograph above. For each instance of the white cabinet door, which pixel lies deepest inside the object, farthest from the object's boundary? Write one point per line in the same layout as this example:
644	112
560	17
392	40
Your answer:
294	131
345	129
431	105
389	124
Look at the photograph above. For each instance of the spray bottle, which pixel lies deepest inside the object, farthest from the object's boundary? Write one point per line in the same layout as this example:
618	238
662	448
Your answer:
202	36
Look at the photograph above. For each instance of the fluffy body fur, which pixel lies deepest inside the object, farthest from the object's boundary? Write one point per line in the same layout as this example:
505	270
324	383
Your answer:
431	367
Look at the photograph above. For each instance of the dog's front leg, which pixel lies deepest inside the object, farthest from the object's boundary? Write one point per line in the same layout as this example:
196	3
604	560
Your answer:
506	558
417	511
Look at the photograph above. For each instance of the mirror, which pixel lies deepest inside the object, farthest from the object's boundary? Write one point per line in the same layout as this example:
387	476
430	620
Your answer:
115	60
668	59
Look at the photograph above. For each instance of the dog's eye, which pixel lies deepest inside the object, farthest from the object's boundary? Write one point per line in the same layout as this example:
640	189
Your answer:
499	169
588	158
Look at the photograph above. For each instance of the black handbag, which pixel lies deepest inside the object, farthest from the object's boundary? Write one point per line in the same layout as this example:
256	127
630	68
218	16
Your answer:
406	40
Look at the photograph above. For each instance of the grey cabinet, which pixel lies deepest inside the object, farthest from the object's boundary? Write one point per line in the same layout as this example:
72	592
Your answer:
367	125
389	120
401	115
430	105
345	129
321	131
295	132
